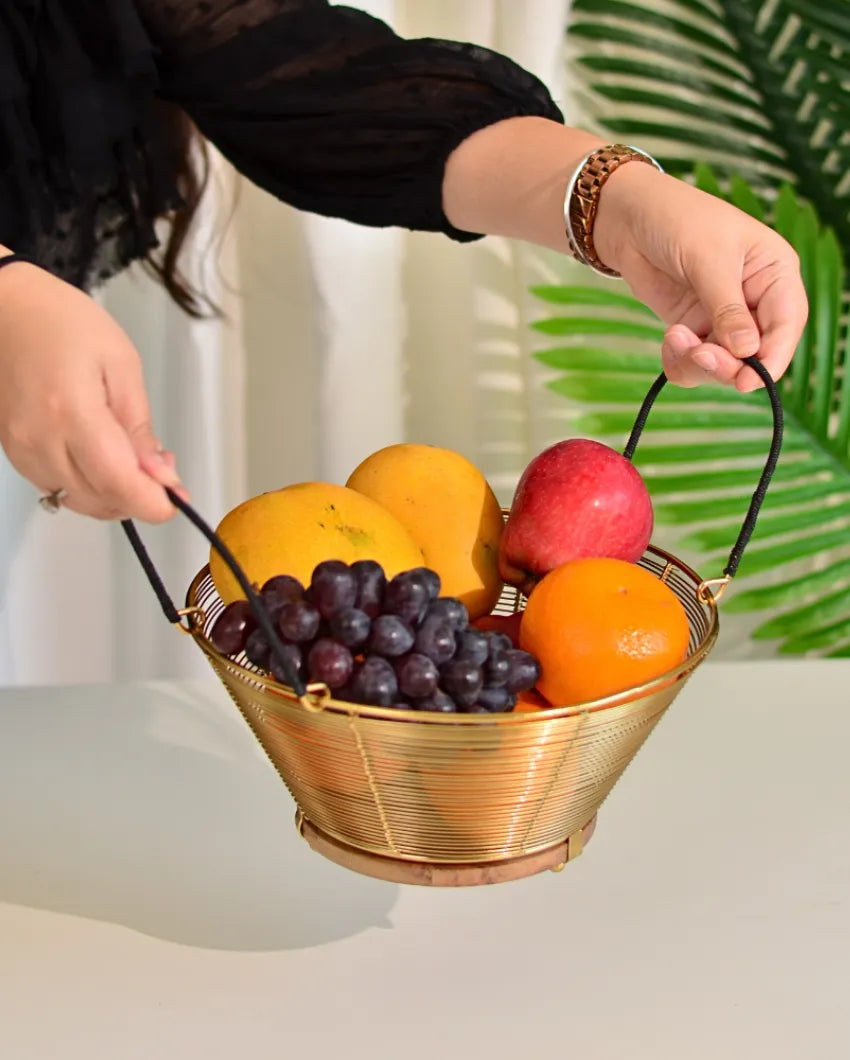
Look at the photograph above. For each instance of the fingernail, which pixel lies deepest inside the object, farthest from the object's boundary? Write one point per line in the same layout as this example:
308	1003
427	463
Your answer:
706	360
676	344
744	343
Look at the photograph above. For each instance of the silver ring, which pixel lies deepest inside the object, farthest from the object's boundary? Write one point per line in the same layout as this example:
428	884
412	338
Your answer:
52	502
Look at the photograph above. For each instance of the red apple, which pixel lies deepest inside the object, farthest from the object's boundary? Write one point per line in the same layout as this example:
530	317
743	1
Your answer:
576	498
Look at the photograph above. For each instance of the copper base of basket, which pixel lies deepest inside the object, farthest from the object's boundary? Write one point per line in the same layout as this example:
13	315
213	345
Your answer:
444	874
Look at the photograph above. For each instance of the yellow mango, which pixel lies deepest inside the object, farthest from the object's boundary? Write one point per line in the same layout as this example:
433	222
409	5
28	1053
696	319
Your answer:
293	529
450	511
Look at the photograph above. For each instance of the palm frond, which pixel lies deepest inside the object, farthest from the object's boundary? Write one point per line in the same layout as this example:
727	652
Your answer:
702	450
757	88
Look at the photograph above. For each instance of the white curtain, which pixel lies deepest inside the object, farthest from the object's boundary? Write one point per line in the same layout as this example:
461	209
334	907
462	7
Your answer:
338	340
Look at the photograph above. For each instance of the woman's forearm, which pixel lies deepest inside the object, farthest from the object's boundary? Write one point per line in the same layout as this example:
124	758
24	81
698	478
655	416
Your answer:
509	179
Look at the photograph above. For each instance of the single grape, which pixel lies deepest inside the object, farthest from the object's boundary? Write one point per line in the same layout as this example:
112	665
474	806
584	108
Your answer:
499	642
374	682
350	627
333	587
496	698
452	610
473	644
431	579
279	590
524	671
257	650
407	595
330	662
462	679
232	627
347	691
496	667
439	701
294	659
371	581
436	639
298	621
390	635
474	708
417	675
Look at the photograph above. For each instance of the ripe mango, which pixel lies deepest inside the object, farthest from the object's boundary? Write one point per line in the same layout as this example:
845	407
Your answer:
450	511
292	529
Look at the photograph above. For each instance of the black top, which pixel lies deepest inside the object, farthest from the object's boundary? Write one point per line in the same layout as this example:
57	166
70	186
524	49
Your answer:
322	105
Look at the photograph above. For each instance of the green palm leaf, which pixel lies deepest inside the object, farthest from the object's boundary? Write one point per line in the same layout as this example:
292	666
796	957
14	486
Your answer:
757	88
702	450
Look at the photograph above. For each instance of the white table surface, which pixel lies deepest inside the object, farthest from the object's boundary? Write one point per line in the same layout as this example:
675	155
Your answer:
157	903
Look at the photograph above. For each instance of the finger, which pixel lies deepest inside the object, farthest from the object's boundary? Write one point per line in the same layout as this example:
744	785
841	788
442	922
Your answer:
50	469
690	361
106	462
127	398
732	324
782	313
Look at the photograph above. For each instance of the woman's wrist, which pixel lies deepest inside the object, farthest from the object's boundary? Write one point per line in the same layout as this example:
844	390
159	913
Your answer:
512	178
622	204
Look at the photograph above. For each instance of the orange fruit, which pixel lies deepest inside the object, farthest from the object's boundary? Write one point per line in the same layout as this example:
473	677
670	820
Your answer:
600	626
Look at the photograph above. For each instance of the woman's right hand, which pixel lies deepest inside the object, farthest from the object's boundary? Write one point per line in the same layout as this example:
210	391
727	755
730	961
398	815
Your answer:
74	413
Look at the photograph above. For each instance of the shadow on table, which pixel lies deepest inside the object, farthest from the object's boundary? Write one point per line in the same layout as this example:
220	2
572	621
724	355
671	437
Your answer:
162	814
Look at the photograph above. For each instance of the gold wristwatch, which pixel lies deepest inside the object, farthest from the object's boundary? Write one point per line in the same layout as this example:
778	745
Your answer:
581	201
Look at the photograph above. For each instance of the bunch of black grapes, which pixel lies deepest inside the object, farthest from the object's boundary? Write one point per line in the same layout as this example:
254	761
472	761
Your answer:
390	643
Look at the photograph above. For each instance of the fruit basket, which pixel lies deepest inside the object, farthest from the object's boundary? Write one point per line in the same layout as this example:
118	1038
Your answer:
455	799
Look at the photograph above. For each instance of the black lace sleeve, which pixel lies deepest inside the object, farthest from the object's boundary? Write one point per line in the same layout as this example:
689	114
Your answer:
83	174
327	108
320	104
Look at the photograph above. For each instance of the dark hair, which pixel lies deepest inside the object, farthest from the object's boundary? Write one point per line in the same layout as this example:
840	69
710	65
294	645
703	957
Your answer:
191	168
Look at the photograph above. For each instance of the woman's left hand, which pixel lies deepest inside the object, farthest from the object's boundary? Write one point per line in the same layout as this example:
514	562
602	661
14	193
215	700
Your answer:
726	285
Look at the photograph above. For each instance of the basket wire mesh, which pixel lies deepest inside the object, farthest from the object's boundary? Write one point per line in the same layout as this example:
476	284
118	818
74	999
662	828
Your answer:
460	788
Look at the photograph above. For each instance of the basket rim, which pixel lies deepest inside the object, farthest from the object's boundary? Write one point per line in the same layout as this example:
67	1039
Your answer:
324	702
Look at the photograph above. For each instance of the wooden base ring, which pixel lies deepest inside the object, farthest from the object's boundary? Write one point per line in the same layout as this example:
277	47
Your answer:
444	874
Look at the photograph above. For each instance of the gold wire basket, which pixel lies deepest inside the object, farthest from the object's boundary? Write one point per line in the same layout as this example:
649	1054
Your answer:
455	799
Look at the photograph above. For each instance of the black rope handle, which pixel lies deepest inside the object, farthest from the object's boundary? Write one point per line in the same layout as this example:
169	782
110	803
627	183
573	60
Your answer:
257	605
749	523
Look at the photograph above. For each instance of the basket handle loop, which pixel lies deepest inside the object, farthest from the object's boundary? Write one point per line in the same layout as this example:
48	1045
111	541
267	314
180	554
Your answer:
749	523
176	617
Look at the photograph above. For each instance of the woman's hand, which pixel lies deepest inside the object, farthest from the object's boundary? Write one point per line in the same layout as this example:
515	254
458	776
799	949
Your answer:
726	285
74	414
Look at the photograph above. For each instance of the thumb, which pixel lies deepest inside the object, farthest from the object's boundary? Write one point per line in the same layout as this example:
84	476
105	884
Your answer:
732	324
